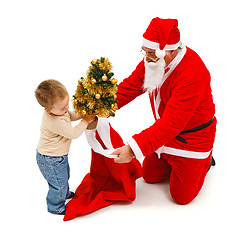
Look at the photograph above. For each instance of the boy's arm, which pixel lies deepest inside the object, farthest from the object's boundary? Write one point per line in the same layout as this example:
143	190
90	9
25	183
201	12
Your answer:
74	116
65	129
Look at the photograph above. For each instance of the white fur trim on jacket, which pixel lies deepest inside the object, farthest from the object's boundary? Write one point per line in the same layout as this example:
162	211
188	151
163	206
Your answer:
135	148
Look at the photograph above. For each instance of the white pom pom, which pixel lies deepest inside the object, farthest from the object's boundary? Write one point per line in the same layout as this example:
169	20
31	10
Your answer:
160	53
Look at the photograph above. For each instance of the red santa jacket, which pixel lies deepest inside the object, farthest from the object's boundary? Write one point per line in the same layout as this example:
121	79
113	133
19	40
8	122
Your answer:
183	102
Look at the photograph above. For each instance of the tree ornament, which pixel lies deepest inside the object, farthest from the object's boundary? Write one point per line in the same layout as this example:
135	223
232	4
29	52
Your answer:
114	81
93	81
104	77
97	96
94	61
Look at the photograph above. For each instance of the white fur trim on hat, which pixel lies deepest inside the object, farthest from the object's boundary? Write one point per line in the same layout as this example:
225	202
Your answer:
150	44
172	47
160	53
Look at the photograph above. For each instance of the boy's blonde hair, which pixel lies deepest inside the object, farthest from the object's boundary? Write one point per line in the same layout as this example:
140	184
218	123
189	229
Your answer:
50	91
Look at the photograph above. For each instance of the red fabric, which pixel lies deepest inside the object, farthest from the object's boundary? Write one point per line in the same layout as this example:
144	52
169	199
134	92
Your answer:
186	175
163	31
186	102
107	182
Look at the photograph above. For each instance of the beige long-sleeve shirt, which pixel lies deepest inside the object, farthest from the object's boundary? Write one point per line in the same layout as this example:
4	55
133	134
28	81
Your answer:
56	133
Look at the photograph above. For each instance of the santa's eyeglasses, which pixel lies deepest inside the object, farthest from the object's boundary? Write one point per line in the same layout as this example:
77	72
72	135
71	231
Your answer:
149	54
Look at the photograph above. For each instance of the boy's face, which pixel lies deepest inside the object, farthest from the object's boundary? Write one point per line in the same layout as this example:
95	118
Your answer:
60	107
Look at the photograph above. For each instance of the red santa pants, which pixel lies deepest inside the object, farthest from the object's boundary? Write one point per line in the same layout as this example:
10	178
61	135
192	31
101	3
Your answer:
186	174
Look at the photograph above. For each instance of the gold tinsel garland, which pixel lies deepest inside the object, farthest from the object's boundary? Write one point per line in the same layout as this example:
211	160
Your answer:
96	94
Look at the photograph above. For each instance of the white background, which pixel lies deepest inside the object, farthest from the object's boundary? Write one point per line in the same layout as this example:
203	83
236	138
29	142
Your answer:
58	39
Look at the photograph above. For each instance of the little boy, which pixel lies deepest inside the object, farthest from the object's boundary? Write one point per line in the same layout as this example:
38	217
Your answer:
55	140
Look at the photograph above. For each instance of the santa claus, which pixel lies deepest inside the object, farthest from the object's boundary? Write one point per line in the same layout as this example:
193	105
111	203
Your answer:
179	144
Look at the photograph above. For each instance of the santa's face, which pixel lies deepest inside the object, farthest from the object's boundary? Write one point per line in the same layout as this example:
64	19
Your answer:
154	70
149	54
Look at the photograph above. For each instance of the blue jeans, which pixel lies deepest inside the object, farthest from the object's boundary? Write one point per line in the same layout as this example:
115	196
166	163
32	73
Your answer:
57	172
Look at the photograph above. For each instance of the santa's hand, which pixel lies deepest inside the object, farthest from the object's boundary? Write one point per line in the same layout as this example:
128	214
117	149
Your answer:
125	154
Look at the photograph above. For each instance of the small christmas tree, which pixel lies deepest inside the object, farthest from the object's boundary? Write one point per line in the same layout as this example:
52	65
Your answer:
96	94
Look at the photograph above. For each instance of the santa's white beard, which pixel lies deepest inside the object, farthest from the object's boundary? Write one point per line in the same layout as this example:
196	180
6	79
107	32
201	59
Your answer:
154	72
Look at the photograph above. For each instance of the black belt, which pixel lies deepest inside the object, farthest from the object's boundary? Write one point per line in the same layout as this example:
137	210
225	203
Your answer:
198	128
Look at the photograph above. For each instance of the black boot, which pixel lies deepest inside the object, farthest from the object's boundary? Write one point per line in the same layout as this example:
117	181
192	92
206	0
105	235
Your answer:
212	163
71	195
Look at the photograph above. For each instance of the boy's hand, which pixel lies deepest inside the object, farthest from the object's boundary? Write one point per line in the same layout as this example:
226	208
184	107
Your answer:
90	119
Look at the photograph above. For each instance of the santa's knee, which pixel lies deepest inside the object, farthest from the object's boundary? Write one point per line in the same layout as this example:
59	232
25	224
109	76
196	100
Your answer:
155	169
149	178
182	198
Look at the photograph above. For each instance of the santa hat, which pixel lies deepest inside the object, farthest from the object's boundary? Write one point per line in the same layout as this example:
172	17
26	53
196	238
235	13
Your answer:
162	35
